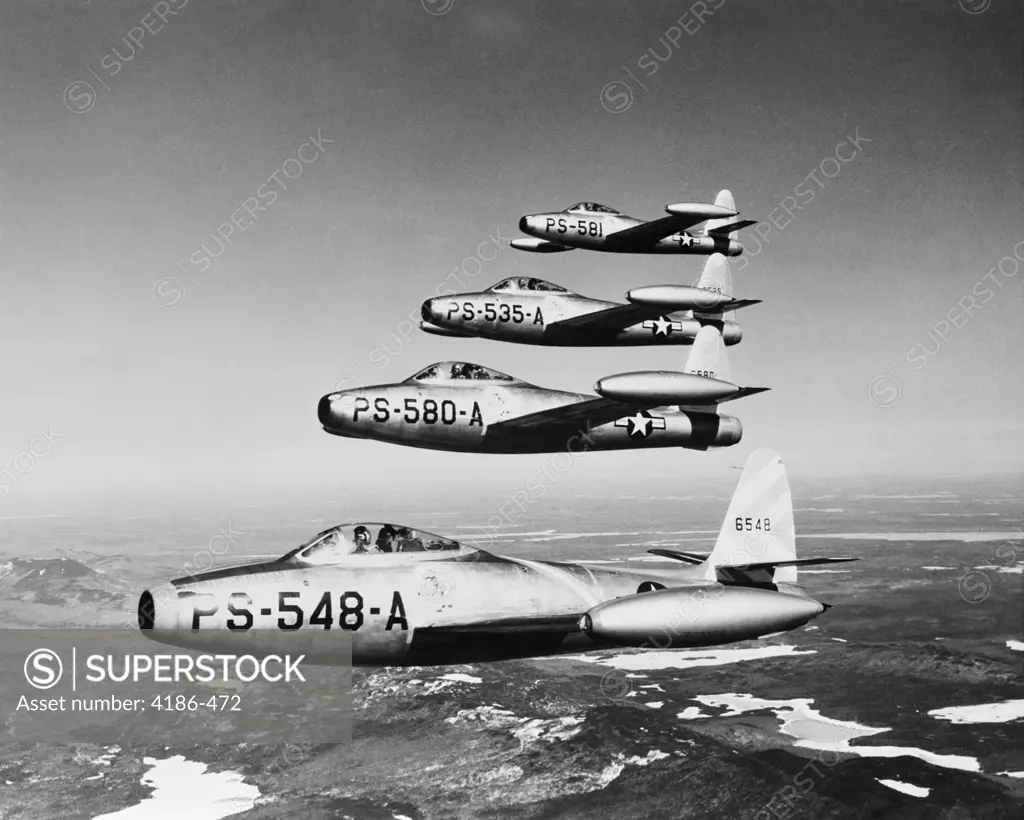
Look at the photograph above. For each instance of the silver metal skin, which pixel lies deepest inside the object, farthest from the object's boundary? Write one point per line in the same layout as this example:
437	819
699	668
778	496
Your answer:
527	310
474	586
414	598
700	616
495	413
680	297
425	608
590	226
664	386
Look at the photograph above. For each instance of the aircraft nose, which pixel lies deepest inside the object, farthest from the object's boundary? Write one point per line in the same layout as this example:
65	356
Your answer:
427	310
158	608
523	224
323	412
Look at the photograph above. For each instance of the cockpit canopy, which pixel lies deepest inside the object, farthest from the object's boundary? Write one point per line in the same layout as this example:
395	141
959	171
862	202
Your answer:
338	543
525	283
590	208
457	371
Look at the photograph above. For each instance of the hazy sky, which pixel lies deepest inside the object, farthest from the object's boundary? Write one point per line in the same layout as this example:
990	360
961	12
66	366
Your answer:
443	130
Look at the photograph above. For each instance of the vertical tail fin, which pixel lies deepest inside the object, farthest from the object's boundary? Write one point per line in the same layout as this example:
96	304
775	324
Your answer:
758	528
707	355
716	277
725	200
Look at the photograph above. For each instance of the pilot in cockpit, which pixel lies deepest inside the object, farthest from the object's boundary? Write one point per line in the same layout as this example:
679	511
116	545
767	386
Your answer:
408	541
361	536
386	539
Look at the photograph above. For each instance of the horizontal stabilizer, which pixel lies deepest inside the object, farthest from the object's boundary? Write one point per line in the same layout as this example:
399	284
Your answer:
746	391
697	407
731	227
685	557
795	562
736	304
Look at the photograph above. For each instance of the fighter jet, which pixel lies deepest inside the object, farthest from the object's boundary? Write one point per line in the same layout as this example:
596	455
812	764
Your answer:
531	311
465	407
412	598
595	227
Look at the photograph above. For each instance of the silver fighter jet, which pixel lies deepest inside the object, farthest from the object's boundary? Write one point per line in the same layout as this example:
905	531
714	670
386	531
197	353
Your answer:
531	311
595	227
465	407
413	598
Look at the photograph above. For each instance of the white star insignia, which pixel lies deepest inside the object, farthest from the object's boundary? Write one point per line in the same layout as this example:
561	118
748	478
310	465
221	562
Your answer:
685	240
641	425
662	326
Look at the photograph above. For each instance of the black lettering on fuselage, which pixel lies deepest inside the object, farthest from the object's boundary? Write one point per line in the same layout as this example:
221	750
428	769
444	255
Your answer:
397	615
239	610
198	613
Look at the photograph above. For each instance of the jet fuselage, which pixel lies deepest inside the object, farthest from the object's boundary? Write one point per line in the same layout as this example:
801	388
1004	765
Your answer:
397	610
591	232
527	317
456	416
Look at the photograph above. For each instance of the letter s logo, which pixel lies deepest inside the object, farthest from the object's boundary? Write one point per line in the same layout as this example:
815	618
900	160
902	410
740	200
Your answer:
43	668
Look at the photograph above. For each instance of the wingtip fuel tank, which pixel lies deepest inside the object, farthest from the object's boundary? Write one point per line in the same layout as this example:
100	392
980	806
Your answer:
699	209
537	246
665	387
679	297
697	616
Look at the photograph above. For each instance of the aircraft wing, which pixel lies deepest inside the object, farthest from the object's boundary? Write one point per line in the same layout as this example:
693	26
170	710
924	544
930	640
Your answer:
491	638
592	412
608	321
640	236
506	626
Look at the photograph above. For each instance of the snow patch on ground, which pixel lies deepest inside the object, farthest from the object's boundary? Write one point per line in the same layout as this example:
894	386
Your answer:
461	678
1002	712
1017	569
184	788
687	658
815	731
906	788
